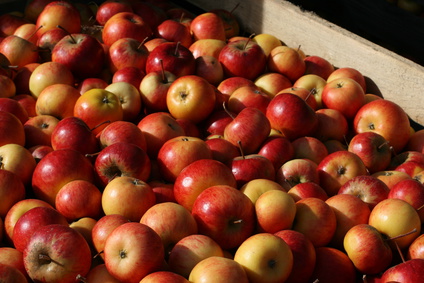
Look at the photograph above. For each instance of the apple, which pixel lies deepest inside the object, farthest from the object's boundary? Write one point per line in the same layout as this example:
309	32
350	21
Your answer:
265	258
337	168
391	177
171	221
132	251
209	68
127	52
12	257
267	42
21	80
129	97
316	220
78	199
407	156
277	149
99	273
10	22
108	8
373	149
12	190
225	214
369	189
351	73
275	211
291	115
190	97
248	96
14	107
227	86
306	190
49	73
257	187
310	96
208	25
151	12
174	31
207	46
229	271
59	13
153	88
121	159
31	221
73	48
12	130
16	211
411	191
296	171
103	227
28	103
198	176
164	191
39	151
415	141
314	84
177	153
287	61
127	196
396	218
9	273
164	276
189	251
51	254
304	255
8	85
122	131
90	83
125	24
243	58
333	264
18	51
154	42
129	74
38	130
319	66
272	83
56	169
246	168
310	148
222	150
345	95
73	133
408	271
172	57
379	116
47	41
159	127
415	249
350	211
97	106
27	31
19	160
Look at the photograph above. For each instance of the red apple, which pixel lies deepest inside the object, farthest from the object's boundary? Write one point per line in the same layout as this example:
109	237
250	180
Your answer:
12	190
90	83
109	8
127	52
208	26
351	73
319	66
14	107
174	31
248	96
277	149
409	271
306	190
47	41
411	191
296	171
12	130
252	166
225	214
222	150
287	61
19	51
122	131
39	129
310	148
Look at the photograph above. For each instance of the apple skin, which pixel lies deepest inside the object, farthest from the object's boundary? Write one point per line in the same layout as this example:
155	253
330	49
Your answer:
99	273
58	168
12	257
122	131
391	177
306	190
125	24
71	51
164	276
408	272
312	215
310	148
19	160
189	251
31	221
319	66
265	257
416	249
246	168
122	159
47	41
207	26
332	125
57	243
248	96
379	116
198	176
291	115
211	47
225	214
229	271
296	171
174	31
14	107
175	58
272	83
411	191
12	190
287	61
109	8
395	217
267	42
127	52
277	149
337	168
351	73
132	251
38	130
333	264
9	273
12	130
242	58
368	188
304	255
18	51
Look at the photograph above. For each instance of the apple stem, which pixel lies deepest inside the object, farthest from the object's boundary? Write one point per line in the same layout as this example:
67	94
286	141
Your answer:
383	144
32	34
97	254
226	110
102	123
312	92
81	278
47	258
400	252
232	11
402	235
164	77
70	35
240	148
419	208
176	48
142	43
92	154
248	40
182	17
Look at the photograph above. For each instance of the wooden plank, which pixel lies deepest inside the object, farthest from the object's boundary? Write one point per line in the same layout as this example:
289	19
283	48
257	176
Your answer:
390	75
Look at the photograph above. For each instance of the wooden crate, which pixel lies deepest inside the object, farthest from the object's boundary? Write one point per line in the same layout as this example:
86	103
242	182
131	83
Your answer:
388	74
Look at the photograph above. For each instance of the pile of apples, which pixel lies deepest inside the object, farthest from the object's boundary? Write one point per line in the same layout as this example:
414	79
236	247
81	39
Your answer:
140	142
